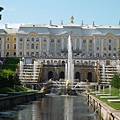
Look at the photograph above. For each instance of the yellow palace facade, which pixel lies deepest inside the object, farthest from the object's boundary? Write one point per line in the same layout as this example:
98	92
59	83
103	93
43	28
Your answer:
51	40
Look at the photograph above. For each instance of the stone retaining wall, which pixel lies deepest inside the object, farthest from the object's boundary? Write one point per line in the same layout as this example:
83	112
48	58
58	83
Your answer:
105	112
8	102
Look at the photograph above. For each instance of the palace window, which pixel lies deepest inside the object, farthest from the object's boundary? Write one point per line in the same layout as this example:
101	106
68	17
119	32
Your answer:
58	40
58	47
77	47
110	40
84	48
14	46
28	46
114	41
98	40
21	39
15	39
7	38
32	46
7	46
27	53
52	40
65	40
37	39
20	53
37	46
114	54
84	41
90	41
114	48
77	40
7	54
104	48
28	39
14	53
20	45
44	47
44	39
109	47
0	38
90	47
104	41
32	39
97	48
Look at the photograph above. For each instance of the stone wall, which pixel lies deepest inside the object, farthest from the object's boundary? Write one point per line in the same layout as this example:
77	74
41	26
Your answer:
57	69
9	102
105	112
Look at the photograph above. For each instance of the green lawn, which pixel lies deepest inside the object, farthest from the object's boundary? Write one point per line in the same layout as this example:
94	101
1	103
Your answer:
23	90
114	92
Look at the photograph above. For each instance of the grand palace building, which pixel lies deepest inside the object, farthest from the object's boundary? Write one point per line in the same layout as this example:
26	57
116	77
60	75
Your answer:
51	40
90	44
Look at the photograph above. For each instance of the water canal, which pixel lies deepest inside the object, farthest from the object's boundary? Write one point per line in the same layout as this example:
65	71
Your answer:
57	108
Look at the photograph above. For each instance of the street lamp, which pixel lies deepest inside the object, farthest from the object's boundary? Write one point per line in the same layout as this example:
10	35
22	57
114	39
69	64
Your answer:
1	8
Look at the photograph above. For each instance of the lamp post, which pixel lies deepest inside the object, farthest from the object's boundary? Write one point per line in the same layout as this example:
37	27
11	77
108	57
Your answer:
1	8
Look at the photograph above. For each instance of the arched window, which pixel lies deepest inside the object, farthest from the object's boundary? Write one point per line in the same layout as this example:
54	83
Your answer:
44	46
65	40
84	41
89	77
32	46
21	39
37	39
52	40
32	39
109	47
58	40
77	76
62	75
37	46
90	41
28	39
110	40
28	46
50	74
20	45
44	39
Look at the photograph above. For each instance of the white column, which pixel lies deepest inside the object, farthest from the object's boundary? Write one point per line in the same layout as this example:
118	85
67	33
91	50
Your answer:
48	45
87	42
80	44
62	43
94	48
24	52
75	44
40	45
17	47
2	48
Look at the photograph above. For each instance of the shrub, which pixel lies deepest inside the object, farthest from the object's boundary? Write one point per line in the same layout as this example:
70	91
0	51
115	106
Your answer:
116	81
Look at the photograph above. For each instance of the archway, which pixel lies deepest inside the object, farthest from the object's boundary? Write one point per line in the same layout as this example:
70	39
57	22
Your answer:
62	75
107	62
50	74
77	75
89	77
63	62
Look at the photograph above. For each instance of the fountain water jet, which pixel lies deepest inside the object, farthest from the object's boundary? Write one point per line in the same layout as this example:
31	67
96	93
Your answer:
70	67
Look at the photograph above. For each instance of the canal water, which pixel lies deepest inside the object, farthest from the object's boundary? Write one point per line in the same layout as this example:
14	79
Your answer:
57	108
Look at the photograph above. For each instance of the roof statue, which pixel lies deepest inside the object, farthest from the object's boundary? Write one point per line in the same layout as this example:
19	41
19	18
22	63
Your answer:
72	19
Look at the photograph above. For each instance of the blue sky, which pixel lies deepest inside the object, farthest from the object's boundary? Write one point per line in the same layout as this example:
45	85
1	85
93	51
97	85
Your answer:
103	12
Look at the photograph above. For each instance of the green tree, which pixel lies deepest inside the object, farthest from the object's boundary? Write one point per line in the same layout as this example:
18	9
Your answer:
116	81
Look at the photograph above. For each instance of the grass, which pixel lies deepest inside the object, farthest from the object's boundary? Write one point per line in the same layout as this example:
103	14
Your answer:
114	92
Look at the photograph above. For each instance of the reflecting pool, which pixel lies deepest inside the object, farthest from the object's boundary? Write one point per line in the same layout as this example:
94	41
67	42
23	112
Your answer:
57	108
